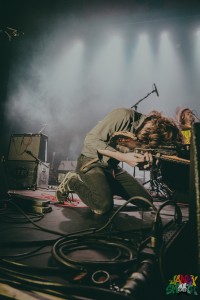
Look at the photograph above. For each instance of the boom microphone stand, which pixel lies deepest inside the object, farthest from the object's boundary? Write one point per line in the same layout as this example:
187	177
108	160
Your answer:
153	91
135	106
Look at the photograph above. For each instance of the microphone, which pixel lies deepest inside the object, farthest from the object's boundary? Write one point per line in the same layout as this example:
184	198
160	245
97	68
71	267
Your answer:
155	90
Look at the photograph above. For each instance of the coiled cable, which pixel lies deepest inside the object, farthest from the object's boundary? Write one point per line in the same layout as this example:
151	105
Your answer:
65	246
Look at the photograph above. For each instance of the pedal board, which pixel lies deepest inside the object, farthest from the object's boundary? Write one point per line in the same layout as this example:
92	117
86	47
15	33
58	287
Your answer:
32	204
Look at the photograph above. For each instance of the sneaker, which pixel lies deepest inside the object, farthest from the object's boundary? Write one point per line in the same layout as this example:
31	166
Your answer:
63	189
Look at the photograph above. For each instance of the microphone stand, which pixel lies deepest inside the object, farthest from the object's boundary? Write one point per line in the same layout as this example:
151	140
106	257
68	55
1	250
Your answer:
37	159
136	104
135	108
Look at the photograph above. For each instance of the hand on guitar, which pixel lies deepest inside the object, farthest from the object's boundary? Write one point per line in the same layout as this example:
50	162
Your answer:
147	163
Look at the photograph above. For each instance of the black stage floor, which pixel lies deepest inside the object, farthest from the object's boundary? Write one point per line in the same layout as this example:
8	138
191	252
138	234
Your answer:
70	253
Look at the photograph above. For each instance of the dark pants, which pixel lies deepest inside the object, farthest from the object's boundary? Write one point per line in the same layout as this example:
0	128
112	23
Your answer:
99	184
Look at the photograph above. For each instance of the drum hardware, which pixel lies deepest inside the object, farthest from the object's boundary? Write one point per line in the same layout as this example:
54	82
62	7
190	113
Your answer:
157	188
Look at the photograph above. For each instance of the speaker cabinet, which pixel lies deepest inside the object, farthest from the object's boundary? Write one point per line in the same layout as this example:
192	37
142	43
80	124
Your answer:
27	175
28	147
194	209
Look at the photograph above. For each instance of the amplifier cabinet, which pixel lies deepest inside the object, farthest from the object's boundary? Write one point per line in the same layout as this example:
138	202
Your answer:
27	174
28	147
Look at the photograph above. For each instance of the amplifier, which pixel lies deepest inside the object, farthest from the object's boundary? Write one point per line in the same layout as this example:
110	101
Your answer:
28	147
27	174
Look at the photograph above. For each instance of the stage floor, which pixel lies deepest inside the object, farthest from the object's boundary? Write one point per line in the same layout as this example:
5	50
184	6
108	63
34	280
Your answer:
28	242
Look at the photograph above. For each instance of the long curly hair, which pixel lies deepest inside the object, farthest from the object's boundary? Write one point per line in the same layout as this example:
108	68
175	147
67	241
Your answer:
163	131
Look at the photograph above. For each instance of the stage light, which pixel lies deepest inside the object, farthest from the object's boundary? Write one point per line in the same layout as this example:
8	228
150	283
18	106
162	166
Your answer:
198	33
143	37
142	60
106	67
171	68
196	58
164	35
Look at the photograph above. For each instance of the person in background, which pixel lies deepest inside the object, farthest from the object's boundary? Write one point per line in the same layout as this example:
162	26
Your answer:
99	177
186	119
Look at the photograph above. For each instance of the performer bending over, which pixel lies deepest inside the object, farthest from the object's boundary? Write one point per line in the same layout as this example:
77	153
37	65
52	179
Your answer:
98	175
